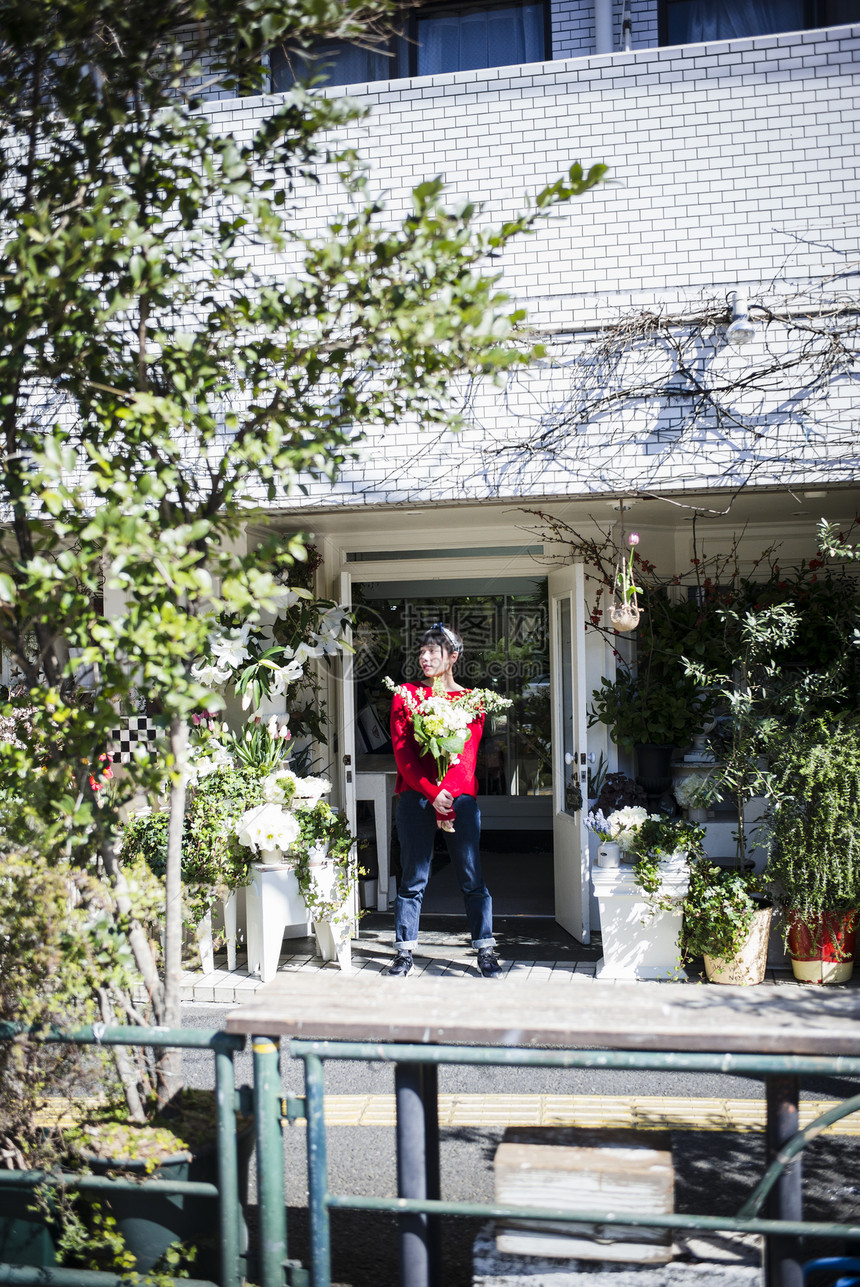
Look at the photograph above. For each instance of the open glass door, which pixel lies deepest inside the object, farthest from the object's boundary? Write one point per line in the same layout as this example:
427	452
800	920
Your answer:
569	772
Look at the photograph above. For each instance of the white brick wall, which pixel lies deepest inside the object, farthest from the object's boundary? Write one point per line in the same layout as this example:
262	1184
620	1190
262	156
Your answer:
731	164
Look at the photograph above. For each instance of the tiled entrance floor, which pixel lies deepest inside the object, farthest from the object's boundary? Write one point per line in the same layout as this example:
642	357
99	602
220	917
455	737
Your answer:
529	948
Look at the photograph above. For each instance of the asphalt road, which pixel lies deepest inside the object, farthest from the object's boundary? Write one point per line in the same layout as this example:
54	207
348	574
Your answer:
714	1170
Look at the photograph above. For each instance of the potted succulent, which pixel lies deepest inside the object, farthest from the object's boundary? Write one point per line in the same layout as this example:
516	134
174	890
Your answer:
814	827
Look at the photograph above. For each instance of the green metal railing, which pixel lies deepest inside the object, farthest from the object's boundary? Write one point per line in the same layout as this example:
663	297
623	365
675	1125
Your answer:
420	1207
419	1204
225	1192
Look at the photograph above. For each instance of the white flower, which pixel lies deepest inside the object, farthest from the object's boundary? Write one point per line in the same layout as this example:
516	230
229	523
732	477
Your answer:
283	676
283	598
231	651
693	791
623	824
267	826
210	674
274	786
309	791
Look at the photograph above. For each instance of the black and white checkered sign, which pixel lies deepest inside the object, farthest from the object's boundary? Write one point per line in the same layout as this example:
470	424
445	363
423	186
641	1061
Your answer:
135	730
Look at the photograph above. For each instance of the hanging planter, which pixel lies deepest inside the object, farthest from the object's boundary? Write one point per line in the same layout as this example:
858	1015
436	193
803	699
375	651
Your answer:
624	613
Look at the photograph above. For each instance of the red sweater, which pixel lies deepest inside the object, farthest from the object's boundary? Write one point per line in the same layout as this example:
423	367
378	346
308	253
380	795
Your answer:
417	772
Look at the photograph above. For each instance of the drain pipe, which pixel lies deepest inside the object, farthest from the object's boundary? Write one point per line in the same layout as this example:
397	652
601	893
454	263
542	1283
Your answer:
603	26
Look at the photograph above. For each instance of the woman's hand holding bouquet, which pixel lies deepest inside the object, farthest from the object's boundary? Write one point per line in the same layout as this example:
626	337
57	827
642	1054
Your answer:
440	724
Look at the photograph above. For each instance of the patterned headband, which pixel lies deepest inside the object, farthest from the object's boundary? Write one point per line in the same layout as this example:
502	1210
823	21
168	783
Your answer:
455	646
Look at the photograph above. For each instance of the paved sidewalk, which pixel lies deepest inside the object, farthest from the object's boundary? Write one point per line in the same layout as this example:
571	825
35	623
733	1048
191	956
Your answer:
529	948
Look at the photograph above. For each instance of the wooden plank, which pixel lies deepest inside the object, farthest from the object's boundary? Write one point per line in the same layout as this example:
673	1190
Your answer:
633	1016
576	1169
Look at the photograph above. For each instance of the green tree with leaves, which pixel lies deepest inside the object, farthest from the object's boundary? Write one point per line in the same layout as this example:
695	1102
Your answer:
176	351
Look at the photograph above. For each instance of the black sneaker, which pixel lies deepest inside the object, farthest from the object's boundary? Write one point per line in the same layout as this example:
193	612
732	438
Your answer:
488	963
400	966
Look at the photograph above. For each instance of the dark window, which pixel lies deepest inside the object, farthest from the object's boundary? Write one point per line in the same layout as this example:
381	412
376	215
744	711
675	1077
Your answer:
449	38
334	63
685	22
440	37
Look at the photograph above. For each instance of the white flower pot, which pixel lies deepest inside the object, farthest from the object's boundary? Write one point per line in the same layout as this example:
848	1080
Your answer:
333	936
639	942
609	854
275	910
229	919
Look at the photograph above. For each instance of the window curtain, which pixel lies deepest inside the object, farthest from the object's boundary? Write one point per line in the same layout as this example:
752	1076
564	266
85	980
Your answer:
336	63
691	21
463	41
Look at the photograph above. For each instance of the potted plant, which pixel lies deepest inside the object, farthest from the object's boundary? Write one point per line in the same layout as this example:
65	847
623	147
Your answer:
306	873
693	793
727	922
641	901
748	697
814	864
624	612
614	832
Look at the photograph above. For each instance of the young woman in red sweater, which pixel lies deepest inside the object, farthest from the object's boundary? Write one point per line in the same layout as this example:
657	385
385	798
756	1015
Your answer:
424	804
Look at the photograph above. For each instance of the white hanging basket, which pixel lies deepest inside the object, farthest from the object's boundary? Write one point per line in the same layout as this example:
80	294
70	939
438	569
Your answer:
624	616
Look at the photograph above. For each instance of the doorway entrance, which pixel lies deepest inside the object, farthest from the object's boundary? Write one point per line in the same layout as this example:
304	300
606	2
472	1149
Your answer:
523	637
505	632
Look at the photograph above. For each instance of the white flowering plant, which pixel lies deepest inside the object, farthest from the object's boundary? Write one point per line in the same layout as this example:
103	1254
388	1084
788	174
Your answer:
286	787
695	791
621	826
267	826
270	654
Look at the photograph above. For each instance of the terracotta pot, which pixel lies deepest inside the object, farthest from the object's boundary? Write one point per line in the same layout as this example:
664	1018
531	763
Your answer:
822	948
749	966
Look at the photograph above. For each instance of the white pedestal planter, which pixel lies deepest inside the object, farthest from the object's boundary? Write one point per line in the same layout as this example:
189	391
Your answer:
275	910
333	937
639	942
230	918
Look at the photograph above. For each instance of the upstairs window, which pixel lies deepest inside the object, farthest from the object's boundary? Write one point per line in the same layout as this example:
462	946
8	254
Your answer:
440	37
451	38
334	63
686	22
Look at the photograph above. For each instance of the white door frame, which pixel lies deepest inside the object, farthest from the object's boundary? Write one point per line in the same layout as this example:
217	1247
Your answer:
425	572
571	859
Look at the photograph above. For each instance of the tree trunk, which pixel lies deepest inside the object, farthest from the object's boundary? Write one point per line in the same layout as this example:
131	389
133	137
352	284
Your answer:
170	1063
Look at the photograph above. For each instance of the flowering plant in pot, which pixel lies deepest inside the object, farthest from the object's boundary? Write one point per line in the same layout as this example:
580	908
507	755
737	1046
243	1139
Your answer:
727	922
616	832
295	827
814	828
307	874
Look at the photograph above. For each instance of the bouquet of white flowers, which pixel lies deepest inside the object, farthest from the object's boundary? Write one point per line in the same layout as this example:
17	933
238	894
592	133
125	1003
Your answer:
621	826
695	791
440	723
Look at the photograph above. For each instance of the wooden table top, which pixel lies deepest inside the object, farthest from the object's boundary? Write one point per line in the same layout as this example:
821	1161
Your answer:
636	1016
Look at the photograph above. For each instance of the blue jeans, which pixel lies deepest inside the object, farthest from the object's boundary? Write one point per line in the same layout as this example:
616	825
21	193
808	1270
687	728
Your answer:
416	830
